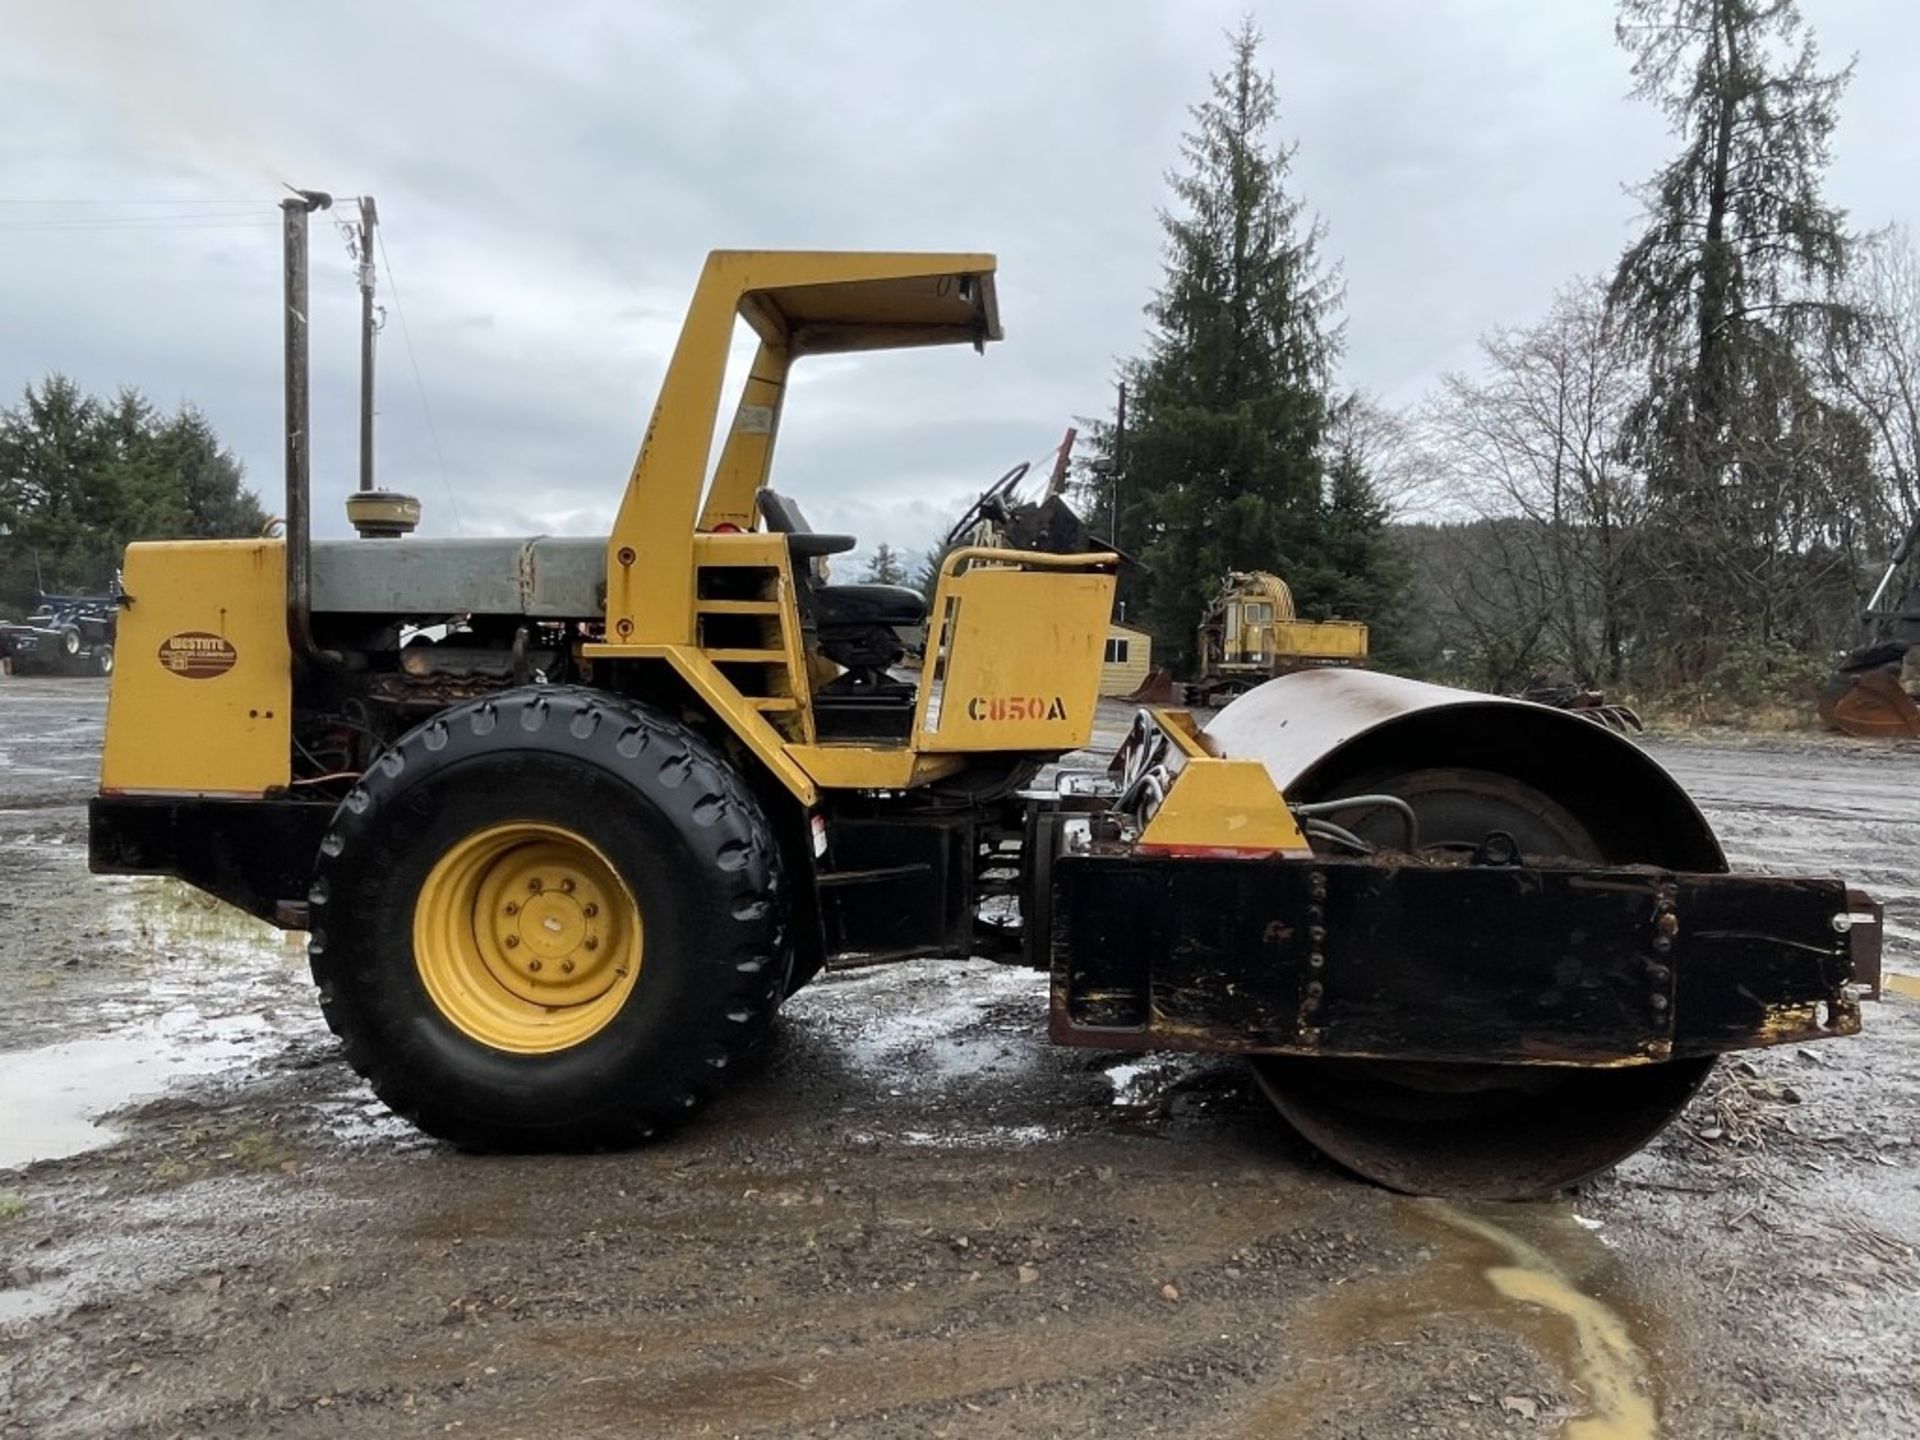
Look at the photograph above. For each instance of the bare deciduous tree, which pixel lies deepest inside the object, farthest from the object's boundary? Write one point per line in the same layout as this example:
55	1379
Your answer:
1879	373
1535	441
1381	440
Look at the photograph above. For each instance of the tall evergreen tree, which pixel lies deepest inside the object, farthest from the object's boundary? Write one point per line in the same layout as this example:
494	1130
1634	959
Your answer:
1223	467
885	567
208	482
1355	568
81	477
1727	294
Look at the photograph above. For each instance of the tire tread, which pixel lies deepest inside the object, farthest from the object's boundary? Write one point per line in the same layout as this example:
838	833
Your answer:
710	807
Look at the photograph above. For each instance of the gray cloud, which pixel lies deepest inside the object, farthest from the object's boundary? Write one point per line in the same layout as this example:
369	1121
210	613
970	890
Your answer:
551	179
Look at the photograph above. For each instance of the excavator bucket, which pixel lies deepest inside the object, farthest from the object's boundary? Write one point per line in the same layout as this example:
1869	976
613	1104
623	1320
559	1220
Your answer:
1159	688
1869	695
1870	703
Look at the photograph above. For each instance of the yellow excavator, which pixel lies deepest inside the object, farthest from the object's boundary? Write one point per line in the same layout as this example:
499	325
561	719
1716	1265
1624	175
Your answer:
566	820
1251	633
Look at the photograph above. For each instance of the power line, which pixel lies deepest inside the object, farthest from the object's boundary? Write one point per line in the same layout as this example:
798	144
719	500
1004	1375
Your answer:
406	335
11	200
202	218
213	222
130	223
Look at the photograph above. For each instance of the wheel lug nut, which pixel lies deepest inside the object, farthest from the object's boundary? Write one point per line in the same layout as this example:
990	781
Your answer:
589	909
512	941
512	907
567	965
533	964
534	884
593	942
566	887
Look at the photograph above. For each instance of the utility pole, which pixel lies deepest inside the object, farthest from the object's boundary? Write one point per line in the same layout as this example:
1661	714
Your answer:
1119	461
376	514
369	218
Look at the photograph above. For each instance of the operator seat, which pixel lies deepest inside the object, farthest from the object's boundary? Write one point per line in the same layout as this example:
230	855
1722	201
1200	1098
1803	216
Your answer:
856	624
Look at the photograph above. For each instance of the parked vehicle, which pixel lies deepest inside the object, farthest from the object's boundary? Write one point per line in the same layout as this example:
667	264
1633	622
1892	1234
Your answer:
560	867
64	635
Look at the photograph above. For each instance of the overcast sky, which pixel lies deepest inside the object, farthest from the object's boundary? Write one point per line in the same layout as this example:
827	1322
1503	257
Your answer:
551	175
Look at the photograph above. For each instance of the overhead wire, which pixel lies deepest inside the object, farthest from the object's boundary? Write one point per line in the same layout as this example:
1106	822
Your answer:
123	214
144	217
151	215
206	222
99	200
426	407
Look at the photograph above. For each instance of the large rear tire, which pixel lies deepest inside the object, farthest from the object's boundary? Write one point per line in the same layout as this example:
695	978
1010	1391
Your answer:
1498	1132
550	919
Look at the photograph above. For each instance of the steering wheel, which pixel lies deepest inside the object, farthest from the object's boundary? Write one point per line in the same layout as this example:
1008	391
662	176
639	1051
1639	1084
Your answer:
977	512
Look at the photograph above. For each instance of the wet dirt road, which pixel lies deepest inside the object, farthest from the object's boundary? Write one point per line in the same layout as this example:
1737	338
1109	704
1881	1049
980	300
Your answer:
915	1217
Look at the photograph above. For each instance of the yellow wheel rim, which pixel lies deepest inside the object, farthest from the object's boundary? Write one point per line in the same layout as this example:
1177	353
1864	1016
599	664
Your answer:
526	938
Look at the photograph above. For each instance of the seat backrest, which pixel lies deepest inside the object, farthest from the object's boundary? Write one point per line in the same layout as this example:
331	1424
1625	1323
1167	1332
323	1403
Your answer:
783	517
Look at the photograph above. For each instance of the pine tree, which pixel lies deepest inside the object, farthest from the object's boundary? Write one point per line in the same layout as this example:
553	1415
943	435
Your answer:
210	483
1356	569
885	567
1354	545
1223	467
1727	295
81	477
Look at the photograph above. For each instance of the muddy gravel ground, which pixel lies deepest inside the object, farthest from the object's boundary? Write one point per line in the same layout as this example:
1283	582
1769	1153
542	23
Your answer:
914	1218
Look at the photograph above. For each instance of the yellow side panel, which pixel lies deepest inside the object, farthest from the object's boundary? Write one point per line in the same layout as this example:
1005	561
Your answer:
201	699
1322	639
1222	807
866	767
1022	662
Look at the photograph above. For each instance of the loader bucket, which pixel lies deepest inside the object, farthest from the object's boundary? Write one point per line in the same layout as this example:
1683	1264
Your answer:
1157	689
1870	703
1471	766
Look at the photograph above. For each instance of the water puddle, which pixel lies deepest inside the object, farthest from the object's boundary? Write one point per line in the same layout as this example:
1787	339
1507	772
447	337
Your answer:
1607	1367
1524	1278
1140	1084
993	1138
211	991
1155	1087
52	1096
37	1298
929	1025
159	1240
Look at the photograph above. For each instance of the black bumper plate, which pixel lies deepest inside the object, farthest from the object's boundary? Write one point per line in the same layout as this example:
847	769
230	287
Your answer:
1510	964
257	854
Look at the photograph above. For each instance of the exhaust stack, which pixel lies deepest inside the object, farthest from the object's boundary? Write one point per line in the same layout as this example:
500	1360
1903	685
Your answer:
299	503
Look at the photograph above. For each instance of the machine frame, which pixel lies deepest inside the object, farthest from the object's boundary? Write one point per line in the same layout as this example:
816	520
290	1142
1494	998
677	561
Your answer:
1240	888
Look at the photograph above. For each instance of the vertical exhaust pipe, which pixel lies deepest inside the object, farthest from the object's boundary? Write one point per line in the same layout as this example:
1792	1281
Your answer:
299	507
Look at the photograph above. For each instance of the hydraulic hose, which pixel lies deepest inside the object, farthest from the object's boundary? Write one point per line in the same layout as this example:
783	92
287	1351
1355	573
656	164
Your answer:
1325	808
